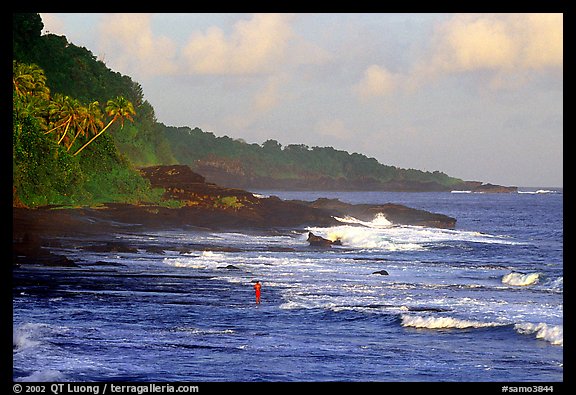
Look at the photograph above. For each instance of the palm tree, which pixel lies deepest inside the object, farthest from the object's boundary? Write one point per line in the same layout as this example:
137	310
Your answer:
30	93
68	113
29	79
91	122
119	109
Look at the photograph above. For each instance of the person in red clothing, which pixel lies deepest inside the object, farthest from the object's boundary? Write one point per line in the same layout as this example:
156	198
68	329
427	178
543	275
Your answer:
257	287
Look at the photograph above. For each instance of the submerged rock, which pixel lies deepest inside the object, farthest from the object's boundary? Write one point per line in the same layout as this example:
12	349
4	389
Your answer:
229	267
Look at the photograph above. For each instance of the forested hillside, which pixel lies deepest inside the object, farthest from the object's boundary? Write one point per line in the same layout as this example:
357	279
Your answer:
68	110
296	166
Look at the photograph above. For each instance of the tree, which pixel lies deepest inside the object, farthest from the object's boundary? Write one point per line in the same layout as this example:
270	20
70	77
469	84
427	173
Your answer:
30	92
29	80
271	146
68	113
26	32
90	123
119	109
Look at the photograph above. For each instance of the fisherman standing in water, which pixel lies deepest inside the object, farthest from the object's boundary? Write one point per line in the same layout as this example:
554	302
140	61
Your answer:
257	287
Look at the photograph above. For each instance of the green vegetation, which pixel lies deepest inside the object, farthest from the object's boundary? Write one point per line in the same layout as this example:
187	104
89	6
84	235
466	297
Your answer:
227	202
292	162
75	72
49	133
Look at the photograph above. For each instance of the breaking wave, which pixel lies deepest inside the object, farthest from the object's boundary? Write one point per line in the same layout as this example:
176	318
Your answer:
380	233
520	279
553	334
379	221
443	322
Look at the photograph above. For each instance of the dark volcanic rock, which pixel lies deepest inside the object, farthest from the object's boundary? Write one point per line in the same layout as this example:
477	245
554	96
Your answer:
395	213
29	251
318	241
111	247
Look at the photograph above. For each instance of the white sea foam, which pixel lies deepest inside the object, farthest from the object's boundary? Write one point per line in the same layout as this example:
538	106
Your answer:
379	221
551	333
431	322
207	259
205	331
26	336
30	335
371	238
520	279
382	234
539	191
43	376
555	284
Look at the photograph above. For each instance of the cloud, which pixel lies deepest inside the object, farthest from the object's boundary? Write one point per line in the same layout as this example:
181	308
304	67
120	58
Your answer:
509	48
377	81
254	46
128	42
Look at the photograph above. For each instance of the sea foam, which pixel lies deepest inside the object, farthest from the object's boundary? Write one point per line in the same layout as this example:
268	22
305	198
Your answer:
520	279
26	336
430	322
380	233
43	376
551	333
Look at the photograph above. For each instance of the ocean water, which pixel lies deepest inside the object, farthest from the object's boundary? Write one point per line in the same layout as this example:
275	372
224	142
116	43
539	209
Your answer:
482	302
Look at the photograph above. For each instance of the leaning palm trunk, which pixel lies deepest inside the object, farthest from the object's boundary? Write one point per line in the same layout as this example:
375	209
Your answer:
95	137
65	130
80	130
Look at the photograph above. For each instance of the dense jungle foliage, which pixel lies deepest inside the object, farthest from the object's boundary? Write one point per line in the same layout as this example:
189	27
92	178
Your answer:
64	123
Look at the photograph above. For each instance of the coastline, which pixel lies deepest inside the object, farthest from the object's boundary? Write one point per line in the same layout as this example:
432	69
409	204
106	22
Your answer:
205	206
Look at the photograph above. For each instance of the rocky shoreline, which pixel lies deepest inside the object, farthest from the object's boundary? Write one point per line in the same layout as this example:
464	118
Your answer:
203	206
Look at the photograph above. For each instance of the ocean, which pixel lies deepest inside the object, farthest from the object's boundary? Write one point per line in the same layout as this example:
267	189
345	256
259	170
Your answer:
480	303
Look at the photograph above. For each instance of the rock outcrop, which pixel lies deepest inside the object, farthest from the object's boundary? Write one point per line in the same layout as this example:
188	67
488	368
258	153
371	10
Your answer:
318	241
395	213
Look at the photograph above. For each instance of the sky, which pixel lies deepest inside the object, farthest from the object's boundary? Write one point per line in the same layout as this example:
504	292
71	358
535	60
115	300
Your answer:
476	96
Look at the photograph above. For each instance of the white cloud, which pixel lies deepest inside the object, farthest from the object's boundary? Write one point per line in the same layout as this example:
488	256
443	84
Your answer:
129	44
508	47
254	46
377	81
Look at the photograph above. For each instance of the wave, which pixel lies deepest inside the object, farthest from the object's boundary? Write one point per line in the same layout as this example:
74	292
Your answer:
555	284
379	221
520	279
43	376
380	233
553	334
23	336
430	322
539	191
29	335
205	260
206	331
